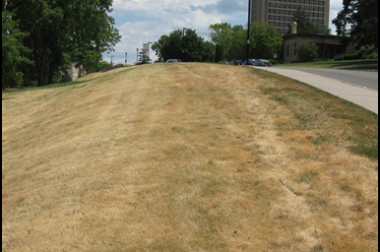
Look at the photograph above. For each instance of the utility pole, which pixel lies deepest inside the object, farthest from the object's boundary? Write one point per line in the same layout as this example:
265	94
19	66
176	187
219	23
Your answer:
249	28
183	41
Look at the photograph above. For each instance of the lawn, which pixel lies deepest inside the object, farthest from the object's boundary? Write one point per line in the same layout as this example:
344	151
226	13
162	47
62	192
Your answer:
187	158
346	65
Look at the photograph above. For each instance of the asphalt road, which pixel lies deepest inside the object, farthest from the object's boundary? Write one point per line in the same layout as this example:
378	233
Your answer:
360	78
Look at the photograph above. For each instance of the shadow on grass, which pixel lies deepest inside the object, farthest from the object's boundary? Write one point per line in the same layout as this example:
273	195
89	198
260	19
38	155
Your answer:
73	83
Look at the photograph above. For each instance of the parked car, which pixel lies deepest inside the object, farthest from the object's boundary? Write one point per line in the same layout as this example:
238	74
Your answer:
262	63
251	62
173	61
236	62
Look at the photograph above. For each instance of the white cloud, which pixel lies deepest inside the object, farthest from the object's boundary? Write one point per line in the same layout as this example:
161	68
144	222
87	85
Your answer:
142	21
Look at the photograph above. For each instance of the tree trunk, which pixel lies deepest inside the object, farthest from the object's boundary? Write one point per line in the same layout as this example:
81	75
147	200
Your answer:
51	74
41	67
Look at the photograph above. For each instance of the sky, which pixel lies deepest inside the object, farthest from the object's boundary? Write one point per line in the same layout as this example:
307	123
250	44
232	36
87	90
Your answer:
143	21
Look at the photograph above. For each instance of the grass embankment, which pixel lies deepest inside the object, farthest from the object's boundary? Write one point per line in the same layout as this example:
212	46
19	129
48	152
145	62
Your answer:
344	65
83	80
187	157
331	119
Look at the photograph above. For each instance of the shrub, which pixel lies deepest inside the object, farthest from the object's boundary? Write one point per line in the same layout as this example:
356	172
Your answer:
368	52
353	56
274	62
373	56
307	52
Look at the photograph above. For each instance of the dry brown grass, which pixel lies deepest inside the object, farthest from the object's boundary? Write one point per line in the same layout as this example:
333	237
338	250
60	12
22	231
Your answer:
171	158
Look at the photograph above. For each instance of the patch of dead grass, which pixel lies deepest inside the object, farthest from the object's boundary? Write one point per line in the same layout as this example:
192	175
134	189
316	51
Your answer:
166	158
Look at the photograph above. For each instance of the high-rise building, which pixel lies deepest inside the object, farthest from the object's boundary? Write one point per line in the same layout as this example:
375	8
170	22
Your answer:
281	12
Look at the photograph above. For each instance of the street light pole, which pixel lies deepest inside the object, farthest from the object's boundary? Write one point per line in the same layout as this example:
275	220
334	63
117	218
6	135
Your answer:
183	41
249	28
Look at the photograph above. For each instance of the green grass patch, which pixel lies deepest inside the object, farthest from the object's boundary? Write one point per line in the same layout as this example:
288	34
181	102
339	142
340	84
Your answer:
345	64
331	119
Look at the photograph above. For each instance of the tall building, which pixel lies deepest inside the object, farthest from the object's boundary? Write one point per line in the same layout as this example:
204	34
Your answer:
281	12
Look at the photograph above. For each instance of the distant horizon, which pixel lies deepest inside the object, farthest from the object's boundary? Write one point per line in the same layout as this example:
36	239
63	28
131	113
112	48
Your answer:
142	21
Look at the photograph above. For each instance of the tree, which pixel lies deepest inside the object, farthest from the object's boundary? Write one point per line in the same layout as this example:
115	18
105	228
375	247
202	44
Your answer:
305	26
219	53
208	52
144	58
266	41
231	38
60	32
307	52
159	45
12	52
169	46
188	47
193	47
360	20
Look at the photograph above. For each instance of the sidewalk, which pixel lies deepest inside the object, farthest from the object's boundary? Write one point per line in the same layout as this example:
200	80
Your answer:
363	97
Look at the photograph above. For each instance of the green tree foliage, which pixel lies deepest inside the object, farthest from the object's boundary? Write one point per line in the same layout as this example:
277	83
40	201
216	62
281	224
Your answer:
209	52
231	41
307	52
12	52
60	32
265	41
144	58
219	53
188	47
360	20
102	65
305	26
169	46
231	38
159	45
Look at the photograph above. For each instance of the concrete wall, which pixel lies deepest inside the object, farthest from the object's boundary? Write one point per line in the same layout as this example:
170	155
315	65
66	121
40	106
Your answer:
75	73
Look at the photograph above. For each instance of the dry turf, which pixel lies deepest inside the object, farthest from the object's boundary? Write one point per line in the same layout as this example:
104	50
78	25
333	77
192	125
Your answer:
187	157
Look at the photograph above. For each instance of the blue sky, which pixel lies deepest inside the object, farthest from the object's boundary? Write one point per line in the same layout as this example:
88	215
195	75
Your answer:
141	21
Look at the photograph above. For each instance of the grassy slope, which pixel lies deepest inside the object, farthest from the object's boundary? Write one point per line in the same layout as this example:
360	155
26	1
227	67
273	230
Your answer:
186	157
331	119
89	78
346	65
